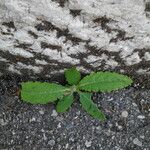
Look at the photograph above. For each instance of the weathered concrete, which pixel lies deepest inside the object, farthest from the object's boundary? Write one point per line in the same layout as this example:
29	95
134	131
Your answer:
45	37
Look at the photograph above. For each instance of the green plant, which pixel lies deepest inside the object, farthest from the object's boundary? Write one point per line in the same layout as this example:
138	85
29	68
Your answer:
42	93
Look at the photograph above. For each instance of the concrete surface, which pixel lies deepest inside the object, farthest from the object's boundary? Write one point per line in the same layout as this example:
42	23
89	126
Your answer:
41	38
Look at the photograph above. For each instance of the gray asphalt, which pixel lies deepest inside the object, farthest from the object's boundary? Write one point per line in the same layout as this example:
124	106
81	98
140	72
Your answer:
39	127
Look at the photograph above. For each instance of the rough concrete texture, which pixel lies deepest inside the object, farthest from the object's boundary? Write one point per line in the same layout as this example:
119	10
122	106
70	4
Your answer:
45	37
40	127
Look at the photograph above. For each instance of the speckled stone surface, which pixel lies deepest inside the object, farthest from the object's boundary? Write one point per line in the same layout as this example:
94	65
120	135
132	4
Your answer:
40	127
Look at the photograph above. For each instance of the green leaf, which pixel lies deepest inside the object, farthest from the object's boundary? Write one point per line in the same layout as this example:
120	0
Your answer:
104	82
64	103
41	93
90	107
73	76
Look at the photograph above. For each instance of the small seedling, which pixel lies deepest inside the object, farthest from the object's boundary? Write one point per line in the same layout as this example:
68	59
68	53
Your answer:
42	93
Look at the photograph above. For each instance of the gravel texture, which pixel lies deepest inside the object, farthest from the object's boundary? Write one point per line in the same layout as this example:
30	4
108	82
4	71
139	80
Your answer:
40	127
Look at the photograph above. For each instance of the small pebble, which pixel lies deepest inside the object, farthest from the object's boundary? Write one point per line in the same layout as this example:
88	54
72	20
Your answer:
44	137
41	112
32	119
134	104
124	114
137	142
141	117
78	113
54	113
98	128
2	122
59	125
88	143
119	127
51	142
67	145
142	136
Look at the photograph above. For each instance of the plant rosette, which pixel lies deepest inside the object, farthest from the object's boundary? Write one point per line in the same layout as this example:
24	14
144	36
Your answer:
43	92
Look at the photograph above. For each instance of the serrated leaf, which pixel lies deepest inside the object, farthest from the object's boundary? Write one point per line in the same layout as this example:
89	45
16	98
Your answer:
41	93
104	82
64	103
90	107
73	76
